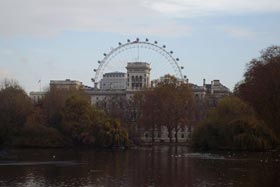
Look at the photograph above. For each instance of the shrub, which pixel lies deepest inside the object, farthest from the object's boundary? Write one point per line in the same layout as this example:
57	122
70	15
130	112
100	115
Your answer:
233	125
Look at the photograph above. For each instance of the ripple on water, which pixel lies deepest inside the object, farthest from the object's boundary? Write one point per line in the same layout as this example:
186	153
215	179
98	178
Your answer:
207	156
61	163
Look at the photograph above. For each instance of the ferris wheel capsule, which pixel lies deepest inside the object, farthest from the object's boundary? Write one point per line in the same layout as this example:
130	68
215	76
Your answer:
177	59
147	39
120	43
128	40
155	42
171	52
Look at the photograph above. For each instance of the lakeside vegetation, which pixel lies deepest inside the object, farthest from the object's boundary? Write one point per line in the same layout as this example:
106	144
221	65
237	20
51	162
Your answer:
62	118
250	120
233	125
247	120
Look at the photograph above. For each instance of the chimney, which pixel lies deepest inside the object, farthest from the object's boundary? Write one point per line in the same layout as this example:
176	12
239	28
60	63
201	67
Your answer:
203	82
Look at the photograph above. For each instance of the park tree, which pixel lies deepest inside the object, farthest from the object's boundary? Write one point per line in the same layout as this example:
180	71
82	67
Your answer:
14	108
109	133
261	87
176	105
170	104
149	113
233	125
77	120
37	133
86	125
55	100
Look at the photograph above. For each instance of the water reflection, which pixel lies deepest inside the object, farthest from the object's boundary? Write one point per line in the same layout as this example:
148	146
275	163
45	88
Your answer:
150	166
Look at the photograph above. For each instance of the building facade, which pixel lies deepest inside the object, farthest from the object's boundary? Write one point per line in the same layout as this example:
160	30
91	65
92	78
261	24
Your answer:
113	81
138	75
66	84
37	96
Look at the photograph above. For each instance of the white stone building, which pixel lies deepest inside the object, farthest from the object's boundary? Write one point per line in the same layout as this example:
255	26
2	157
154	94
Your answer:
37	96
113	81
138	75
66	84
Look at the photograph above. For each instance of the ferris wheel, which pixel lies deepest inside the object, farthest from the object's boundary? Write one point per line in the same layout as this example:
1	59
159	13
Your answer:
160	59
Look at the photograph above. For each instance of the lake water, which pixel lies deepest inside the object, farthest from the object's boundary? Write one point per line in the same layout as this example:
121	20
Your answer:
161	166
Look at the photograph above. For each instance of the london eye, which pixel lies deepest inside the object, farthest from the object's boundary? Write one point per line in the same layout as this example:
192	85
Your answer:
161	59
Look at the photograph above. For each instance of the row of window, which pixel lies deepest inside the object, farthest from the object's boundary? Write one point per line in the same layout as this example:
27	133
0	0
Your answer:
115	75
136	85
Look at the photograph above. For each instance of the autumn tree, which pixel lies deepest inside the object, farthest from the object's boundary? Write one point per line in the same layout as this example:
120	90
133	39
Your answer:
148	115
109	133
261	87
14	108
233	125
169	104
176	105
37	133
86	125
55	100
76	118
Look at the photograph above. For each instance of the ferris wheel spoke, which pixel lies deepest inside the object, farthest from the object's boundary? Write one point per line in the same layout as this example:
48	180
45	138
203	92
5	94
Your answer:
159	58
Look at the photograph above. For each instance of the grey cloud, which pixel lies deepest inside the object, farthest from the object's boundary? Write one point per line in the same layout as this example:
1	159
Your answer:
193	8
50	17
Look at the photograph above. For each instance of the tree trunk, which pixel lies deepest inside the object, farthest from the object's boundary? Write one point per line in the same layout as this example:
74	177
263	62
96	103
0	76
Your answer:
170	135
153	135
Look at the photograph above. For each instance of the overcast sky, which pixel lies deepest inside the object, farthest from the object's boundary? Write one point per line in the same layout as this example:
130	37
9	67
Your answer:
58	39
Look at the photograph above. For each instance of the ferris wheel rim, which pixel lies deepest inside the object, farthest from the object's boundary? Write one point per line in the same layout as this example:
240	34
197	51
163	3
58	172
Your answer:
166	54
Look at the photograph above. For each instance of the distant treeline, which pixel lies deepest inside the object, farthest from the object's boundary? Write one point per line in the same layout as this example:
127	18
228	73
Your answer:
61	118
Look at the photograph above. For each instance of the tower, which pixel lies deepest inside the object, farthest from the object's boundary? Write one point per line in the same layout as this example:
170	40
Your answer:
138	75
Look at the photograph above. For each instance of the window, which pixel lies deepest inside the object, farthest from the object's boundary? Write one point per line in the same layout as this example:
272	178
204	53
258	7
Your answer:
146	135
182	135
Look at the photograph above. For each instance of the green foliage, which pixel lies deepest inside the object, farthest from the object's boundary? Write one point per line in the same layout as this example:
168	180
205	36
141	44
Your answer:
76	118
110	134
87	126
233	125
